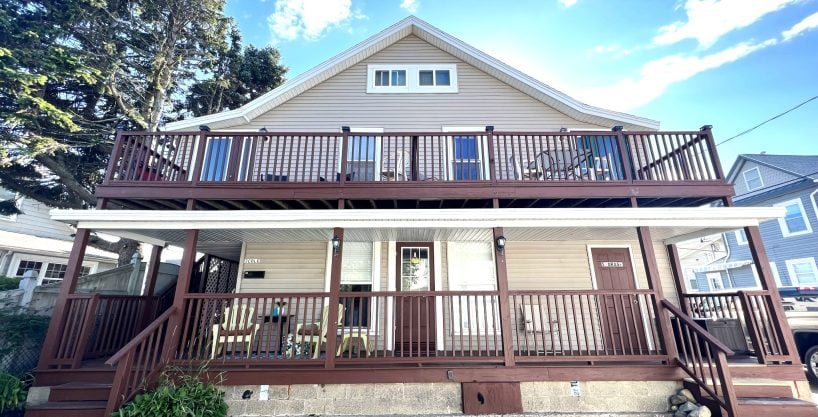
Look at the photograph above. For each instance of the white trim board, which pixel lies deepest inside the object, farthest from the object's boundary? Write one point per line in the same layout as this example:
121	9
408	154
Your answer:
414	26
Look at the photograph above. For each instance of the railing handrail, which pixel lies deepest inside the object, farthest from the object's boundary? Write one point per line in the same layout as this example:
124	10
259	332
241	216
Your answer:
698	329
113	360
234	296
411	133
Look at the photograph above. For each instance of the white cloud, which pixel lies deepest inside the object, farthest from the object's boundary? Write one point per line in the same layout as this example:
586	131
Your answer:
410	6
708	20
809	23
568	3
657	75
309	19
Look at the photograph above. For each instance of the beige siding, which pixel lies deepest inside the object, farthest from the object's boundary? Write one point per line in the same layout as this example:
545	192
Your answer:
35	221
482	100
288	267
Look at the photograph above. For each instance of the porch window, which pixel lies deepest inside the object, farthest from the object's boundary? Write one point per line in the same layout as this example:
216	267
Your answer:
25	266
795	221
356	276
466	158
471	268
802	271
216	159
363	154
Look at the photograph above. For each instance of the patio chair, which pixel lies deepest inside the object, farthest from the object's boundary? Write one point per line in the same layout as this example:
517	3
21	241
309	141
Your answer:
236	327
533	170
533	319
314	333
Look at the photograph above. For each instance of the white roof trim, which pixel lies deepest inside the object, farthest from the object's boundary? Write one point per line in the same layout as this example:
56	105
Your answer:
433	35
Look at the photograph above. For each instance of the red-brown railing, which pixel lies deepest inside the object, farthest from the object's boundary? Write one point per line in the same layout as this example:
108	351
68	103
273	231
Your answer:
704	358
753	310
568	324
139	363
95	325
219	157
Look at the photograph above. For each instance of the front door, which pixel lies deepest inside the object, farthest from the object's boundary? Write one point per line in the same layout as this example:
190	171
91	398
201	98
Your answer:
621	316
415	310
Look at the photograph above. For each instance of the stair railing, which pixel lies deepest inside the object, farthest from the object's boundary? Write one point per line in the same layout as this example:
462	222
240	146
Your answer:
703	358
139	363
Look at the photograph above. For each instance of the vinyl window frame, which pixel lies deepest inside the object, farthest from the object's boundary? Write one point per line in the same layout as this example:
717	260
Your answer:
747	181
791	263
782	222
412	78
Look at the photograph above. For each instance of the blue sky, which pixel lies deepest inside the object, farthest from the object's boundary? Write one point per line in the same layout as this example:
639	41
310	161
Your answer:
686	63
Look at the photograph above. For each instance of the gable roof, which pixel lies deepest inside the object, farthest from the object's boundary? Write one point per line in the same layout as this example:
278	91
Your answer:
415	26
803	166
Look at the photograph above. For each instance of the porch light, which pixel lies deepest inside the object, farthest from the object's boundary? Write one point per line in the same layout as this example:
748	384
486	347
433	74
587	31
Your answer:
501	243
336	245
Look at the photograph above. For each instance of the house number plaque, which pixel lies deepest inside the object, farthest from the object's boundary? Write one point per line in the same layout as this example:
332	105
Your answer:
612	264
252	260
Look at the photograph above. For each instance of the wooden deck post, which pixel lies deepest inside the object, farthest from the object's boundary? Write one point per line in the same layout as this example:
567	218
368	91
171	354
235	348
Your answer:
334	299
182	285
655	283
503	304
151	275
767	281
67	287
678	276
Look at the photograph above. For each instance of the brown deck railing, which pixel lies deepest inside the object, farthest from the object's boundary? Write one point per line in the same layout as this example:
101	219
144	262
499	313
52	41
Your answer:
753	311
258	157
95	325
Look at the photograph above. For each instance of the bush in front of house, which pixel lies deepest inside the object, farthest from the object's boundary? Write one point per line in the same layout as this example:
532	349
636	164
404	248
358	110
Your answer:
12	394
21	338
178	395
9	283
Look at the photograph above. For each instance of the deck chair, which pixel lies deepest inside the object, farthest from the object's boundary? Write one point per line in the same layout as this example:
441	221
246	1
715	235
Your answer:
533	319
533	170
236	327
314	333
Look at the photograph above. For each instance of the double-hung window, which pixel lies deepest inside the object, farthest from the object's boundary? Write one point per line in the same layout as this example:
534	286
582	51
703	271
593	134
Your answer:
802	271
795	221
752	179
466	158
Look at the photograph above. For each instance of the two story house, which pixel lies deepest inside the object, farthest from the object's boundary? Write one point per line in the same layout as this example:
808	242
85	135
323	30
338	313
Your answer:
415	227
788	181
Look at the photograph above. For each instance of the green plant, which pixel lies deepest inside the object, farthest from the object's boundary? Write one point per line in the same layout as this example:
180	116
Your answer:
21	338
178	394
12	392
9	283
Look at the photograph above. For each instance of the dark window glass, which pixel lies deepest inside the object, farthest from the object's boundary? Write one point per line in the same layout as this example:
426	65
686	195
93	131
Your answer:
442	77
425	78
466	164
28	266
399	78
382	78
216	159
55	271
356	309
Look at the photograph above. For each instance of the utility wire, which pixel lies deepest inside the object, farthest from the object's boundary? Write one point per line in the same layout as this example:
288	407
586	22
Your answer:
767	121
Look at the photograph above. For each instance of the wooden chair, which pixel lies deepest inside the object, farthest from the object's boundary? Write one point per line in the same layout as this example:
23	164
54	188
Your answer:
236	327
314	333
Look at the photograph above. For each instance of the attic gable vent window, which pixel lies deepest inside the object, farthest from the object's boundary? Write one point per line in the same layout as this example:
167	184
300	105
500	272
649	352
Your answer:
408	78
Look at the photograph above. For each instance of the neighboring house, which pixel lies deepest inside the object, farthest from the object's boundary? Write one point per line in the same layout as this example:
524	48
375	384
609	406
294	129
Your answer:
31	241
698	254
788	181
415	227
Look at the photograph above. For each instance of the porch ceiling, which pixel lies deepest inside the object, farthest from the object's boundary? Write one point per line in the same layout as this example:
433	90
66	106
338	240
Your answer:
222	231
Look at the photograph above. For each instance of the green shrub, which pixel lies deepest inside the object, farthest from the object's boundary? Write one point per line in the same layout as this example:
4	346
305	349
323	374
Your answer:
12	392
178	395
8	283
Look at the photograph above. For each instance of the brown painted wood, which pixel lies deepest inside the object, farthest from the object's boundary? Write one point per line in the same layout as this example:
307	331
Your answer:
492	398
334	300
655	284
415	314
623	328
182	285
503	295
678	274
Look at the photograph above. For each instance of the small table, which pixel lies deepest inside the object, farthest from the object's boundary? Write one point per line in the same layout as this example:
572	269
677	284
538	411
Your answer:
283	321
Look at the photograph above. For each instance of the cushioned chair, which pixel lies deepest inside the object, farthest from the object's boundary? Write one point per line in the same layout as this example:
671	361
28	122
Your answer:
237	326
314	333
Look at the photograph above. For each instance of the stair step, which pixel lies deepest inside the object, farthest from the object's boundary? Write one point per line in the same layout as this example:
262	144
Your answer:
767	407
763	391
67	409
52	377
80	391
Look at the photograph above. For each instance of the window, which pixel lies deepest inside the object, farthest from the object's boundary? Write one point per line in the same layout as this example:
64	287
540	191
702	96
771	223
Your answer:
217	157
741	236
716	283
466	158
597	153
471	267
85	270
6	195
795	220
411	78
54	272
752	178
356	276
28	266
802	271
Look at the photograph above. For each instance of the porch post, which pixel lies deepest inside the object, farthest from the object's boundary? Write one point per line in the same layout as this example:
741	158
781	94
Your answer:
678	275
655	283
334	298
151	274
69	284
182	285
503	303
767	281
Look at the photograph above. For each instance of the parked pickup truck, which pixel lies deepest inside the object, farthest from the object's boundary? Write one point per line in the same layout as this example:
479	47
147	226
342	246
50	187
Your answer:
801	309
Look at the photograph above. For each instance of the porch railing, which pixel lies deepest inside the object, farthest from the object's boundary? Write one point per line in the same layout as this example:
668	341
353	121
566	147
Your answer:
752	310
338	158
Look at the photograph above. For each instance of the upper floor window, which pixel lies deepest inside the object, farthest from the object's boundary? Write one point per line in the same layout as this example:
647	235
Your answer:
411	78
11	196
795	220
802	271
752	178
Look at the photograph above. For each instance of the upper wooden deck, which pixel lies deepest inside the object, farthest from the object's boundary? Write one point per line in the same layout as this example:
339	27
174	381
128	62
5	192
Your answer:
284	170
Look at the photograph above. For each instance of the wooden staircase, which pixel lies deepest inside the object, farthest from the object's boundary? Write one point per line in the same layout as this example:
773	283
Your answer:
759	398
74	393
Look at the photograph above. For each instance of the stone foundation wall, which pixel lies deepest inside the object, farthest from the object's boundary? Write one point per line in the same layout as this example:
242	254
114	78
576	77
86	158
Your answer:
635	397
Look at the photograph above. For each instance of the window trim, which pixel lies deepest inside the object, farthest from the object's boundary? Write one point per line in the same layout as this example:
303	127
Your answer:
412	78
46	260
482	158
747	184
481	327
794	277
741	238
362	131
782	221
776	275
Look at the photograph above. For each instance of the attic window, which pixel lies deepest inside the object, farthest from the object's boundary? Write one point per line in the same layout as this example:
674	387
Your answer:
408	78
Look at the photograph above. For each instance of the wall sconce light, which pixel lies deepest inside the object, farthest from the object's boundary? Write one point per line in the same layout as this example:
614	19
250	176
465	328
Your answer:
204	128
501	243
336	245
